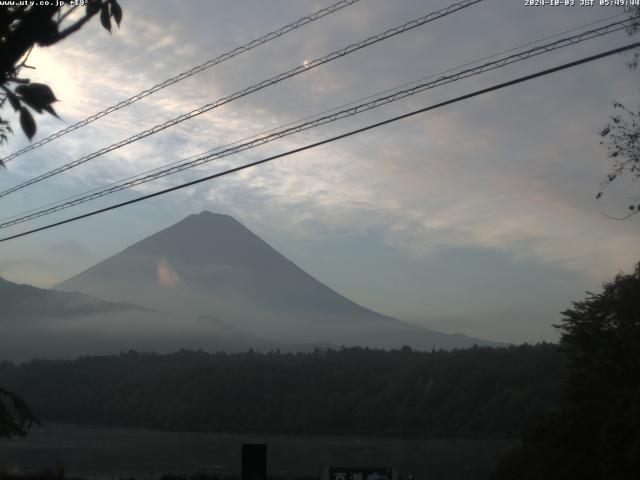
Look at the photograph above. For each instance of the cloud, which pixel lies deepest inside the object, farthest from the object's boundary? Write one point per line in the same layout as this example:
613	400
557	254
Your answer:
28	271
165	275
433	198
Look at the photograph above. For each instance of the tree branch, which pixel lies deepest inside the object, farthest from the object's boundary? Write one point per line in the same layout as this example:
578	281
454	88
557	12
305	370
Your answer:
628	215
73	27
66	14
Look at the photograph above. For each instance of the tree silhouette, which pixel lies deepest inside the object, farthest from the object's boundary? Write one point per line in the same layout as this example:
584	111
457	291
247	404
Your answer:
15	415
621	136
602	340
22	27
596	434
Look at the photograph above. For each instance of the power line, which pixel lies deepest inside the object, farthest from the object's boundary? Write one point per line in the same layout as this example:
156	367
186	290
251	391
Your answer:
333	109
564	32
252	89
170	81
318	120
332	139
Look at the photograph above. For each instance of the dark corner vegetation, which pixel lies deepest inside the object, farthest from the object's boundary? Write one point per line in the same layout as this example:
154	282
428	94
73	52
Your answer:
15	415
24	26
595	434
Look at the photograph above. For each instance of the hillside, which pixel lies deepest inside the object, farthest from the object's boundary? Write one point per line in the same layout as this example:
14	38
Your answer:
41	323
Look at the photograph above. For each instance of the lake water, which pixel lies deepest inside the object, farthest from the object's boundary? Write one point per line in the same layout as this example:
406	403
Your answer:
111	452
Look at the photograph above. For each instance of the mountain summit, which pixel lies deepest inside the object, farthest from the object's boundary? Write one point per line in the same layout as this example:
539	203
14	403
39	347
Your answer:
211	266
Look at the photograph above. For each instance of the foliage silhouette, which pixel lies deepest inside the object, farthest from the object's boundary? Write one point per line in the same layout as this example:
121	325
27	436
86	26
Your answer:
22	27
596	432
621	136
15	415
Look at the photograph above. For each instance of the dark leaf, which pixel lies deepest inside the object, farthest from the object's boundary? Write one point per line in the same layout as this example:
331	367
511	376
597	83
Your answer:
599	195
605	132
4	125
116	11
104	17
14	101
36	95
49	108
27	123
92	7
46	32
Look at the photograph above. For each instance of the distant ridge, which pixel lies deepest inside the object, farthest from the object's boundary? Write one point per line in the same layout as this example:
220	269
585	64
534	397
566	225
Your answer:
20	301
41	323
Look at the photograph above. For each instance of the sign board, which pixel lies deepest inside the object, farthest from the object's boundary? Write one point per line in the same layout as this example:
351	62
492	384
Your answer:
360	473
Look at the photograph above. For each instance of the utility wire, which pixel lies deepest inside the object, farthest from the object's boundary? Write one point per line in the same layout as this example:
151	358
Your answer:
66	200
332	139
252	89
333	109
170	81
277	134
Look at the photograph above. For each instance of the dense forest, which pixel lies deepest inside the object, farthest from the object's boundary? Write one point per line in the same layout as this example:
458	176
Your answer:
351	391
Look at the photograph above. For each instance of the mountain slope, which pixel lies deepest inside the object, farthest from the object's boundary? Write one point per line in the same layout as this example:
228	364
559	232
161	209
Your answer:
24	302
40	323
211	265
215	255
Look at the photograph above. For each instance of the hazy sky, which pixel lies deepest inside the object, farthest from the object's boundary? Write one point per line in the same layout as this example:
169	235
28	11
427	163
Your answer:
477	218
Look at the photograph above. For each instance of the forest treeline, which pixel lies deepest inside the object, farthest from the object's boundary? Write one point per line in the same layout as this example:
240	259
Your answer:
351	391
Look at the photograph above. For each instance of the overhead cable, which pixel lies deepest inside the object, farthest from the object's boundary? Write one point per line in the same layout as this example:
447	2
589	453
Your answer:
186	74
252	89
330	140
276	134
